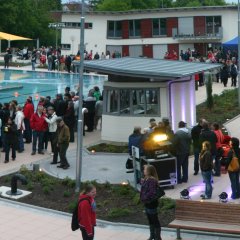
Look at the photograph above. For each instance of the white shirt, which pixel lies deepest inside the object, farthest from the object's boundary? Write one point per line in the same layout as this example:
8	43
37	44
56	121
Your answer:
52	124
19	120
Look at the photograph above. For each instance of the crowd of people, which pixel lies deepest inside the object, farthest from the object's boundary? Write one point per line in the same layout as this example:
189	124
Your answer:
53	121
208	141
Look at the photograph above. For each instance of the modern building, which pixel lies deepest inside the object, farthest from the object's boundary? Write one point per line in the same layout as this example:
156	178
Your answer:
150	33
139	89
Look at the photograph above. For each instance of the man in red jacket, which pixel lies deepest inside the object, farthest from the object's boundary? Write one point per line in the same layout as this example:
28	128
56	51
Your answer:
28	111
87	212
39	126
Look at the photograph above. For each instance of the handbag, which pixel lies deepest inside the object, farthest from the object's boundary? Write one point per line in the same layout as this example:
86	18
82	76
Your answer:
159	193
129	163
234	164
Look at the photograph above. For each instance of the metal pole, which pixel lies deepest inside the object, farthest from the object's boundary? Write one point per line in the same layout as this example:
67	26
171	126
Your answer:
238	54
56	37
80	114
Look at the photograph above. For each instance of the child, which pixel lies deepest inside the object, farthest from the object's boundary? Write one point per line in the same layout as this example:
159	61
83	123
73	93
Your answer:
206	165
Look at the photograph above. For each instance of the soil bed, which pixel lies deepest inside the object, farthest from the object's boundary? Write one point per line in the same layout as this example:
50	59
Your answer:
115	203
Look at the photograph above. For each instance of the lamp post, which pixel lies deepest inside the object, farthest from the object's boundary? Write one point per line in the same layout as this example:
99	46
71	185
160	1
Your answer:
56	26
80	114
238	54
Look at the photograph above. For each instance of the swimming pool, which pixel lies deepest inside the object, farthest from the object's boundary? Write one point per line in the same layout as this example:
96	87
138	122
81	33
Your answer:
25	83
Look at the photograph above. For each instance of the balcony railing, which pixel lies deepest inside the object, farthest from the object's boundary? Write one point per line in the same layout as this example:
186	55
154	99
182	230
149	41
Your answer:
211	36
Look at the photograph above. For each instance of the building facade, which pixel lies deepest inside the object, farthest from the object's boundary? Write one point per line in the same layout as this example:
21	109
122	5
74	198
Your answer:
150	33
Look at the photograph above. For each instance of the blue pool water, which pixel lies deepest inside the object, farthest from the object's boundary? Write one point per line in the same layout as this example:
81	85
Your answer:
42	84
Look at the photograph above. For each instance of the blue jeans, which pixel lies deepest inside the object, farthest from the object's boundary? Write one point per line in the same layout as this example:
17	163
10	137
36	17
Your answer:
234	178
50	66
33	66
37	136
20	141
182	167
207	178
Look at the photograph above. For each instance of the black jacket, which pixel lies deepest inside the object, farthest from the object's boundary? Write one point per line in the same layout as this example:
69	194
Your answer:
210	136
10	132
195	133
206	161
182	141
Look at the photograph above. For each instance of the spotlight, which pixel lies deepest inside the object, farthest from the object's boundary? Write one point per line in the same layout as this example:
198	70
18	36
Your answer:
184	194
223	197
160	138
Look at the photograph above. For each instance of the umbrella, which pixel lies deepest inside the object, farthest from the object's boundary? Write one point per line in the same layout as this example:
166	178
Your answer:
11	37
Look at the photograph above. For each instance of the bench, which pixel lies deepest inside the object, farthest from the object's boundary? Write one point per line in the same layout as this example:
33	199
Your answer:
206	216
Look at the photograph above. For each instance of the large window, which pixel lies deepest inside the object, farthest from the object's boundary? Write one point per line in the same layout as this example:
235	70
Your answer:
114	29
214	24
135	102
66	46
88	25
134	28
159	26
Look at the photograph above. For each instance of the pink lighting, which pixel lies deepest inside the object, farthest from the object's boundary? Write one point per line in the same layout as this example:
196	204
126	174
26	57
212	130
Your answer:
196	189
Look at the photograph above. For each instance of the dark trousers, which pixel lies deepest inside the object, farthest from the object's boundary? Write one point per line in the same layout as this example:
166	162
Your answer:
52	136
234	80
28	131
61	149
225	81
7	150
153	220
182	167
37	136
90	121
45	140
3	139
234	178
196	160
20	141
217	165
85	236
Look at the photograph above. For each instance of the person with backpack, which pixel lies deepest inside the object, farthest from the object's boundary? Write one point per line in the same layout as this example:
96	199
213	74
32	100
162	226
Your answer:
232	165
234	72
148	194
87	212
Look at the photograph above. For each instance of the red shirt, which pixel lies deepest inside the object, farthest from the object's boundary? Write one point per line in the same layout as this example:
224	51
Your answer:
28	110
87	214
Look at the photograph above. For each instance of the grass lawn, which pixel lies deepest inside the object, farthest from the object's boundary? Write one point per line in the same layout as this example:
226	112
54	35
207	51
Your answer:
225	108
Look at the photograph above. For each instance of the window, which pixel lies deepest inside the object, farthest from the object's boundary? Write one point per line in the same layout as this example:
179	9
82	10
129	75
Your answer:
66	46
135	102
77	25
134	28
114	29
214	24
159	26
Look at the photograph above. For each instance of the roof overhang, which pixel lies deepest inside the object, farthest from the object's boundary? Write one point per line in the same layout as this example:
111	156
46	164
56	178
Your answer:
151	69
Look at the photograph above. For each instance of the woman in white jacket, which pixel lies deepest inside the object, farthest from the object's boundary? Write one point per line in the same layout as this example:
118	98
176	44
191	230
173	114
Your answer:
19	121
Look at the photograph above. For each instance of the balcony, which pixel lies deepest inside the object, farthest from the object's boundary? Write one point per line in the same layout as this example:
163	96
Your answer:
206	36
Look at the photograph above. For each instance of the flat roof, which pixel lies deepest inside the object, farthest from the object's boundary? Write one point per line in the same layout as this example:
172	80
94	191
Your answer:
148	68
156	10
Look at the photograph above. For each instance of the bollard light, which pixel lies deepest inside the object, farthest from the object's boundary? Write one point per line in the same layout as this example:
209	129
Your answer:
184	194
223	197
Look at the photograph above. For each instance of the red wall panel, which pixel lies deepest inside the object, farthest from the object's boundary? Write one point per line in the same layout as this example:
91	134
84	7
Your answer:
171	23
125	29
148	51
201	48
199	25
173	47
146	28
125	50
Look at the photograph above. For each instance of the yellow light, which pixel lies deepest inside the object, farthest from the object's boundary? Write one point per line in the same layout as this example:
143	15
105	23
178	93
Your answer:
93	151
124	183
160	138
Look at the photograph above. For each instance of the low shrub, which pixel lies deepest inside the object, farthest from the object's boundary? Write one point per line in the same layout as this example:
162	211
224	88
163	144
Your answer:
118	212
46	190
66	194
166	203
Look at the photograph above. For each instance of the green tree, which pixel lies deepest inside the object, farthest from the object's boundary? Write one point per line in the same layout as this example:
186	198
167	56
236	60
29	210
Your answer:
209	92
196	3
114	5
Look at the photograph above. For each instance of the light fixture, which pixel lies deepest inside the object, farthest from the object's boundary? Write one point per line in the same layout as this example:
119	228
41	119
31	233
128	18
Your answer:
124	183
184	194
223	197
160	138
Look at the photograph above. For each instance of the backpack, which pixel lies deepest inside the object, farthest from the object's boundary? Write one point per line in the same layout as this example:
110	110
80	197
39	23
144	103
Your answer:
75	223
234	70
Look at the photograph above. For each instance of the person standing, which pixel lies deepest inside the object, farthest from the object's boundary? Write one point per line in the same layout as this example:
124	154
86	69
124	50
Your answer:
33	60
19	121
68	62
10	130
52	127
195	133
147	195
181	145
87	212
39	126
62	142
28	111
89	103
234	174
69	119
206	164
233	72
6	60
50	62
98	112
220	141
224	74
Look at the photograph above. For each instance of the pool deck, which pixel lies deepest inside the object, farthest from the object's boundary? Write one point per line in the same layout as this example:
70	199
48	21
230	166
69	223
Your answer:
38	224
